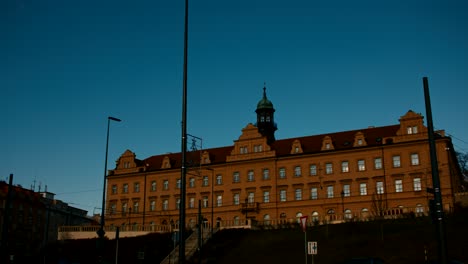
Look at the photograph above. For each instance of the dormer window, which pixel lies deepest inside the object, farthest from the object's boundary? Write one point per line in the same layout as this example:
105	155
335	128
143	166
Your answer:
359	142
243	150
412	130
327	143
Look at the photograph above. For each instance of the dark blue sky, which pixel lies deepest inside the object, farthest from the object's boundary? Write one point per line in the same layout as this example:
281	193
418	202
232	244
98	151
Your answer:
328	66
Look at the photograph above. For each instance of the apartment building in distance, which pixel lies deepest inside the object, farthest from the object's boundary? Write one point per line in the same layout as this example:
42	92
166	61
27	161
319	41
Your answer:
343	176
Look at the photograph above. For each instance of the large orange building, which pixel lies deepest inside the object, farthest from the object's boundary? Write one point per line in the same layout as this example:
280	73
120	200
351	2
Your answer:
351	175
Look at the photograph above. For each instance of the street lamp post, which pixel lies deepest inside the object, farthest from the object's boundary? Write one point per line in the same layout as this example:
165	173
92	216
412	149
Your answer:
101	231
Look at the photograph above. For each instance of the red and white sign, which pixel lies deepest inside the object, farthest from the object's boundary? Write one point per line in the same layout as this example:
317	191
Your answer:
304	222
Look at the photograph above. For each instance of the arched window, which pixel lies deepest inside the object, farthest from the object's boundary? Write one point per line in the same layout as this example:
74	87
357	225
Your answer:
331	215
348	214
419	210
364	213
266	219
298	217
315	217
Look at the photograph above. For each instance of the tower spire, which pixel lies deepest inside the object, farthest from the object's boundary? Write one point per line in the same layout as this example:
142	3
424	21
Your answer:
265	117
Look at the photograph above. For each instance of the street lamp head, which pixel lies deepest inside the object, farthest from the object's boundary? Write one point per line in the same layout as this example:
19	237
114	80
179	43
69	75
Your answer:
114	119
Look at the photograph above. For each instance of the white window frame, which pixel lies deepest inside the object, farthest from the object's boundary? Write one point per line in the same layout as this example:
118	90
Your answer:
396	161
398	186
345	166
378	163
282	173
314	193
283	197
414	159
266	196
329	168
379	187
236	176
346	190
363	188
330	191
313	170
361	165
298	194
297	171
417	185
250	176
266	174
236	199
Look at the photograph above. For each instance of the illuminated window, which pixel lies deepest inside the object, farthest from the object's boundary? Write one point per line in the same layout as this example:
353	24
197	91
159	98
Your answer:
363	188
361	165
398	186
328	168
344	166
417	184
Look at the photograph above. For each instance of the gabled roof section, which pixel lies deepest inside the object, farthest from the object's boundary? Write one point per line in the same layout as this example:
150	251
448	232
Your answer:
250	145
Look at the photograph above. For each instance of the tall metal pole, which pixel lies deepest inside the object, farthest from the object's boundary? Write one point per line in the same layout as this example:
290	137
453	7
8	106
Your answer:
184	146
438	207
101	231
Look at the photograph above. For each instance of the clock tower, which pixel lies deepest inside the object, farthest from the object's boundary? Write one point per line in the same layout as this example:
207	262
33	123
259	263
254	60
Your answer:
265	118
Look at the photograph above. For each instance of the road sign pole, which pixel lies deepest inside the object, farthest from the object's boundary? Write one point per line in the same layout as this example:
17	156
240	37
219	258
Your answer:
305	244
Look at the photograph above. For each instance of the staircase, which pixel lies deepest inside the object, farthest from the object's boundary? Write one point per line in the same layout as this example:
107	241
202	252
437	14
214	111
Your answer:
191	245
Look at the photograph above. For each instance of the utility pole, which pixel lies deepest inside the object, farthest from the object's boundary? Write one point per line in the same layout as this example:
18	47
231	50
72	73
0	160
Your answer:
438	209
184	147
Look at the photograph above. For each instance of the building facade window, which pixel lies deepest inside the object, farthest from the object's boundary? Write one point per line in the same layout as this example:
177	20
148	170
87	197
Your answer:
236	177
361	165
114	189
192	202
398	185
378	163
124	208
250	175
266	196
205	201
344	166
346	190
266	174
417	184
166	185
379	187
136	187
153	186
412	130
298	194
178	182
313	193
315	217
152	205
282	195
313	170
136	207
236	199
113	208
251	197
177	203
415	159
282	173
219	179
396	161
205	181
330	192
328	168
363	188
192	182
219	201
297	171
125	188
165	205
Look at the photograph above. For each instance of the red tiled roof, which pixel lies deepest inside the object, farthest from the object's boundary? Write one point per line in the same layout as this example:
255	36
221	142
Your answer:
310	144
